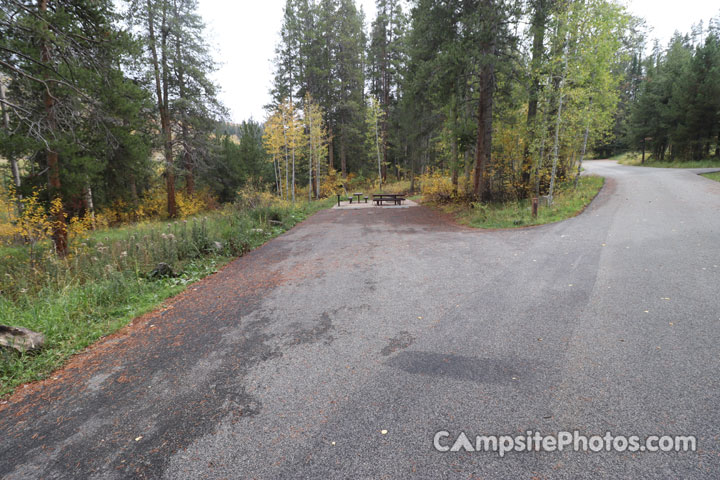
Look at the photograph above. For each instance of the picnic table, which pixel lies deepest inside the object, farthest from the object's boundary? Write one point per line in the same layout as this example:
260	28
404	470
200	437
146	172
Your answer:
396	198
356	194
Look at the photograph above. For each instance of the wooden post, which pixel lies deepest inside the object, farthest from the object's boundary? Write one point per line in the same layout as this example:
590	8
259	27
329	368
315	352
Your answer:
534	207
643	152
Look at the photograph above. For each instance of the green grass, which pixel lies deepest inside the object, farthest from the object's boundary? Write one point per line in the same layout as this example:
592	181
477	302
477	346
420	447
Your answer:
104	283
627	158
712	176
635	159
568	203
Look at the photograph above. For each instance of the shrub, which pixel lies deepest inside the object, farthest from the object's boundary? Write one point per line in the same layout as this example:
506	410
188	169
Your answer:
330	184
436	187
399	187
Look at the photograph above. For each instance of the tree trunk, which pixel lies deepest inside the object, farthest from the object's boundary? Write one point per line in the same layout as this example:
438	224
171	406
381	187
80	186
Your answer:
292	110
386	108
412	173
343	157
317	176
484	133
287	160
89	204
538	31
642	160
189	174
331	148
287	173
584	147
133	190
556	144
280	182
11	158
454	165
468	154
466	166
169	173
310	162
383	171
317	170
293	174
541	158
310	173
377	146
161	90
59	233
277	179
187	155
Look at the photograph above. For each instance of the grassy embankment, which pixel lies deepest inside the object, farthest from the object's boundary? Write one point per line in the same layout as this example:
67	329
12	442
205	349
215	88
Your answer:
104	282
635	159
568	202
713	176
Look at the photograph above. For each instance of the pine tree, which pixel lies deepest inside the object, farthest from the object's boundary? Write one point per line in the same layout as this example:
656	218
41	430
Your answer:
178	60
196	108
61	59
348	82
386	55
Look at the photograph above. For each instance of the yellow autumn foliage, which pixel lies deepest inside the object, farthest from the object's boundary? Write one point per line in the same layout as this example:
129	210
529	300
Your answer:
34	223
37	222
250	196
153	205
435	186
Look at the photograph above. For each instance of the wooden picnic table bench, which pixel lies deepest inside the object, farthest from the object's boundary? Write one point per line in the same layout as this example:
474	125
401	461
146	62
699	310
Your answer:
350	198
358	195
396	198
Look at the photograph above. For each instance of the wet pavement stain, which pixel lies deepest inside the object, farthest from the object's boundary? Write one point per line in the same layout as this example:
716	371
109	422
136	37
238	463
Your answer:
400	341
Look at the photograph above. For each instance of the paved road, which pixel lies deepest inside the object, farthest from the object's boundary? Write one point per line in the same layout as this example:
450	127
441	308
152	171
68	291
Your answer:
290	362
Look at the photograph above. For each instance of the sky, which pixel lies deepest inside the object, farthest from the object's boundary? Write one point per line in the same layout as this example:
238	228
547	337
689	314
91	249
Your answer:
244	33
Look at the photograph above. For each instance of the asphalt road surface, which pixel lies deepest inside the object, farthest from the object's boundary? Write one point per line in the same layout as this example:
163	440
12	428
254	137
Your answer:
339	349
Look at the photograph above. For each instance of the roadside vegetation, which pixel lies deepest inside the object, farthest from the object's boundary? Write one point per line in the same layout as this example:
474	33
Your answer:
713	176
635	159
568	201
111	275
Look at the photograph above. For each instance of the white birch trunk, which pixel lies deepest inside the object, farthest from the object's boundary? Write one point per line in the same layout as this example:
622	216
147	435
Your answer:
293	173
317	176
377	146
310	162
13	161
90	204
582	153
557	124
287	184
276	170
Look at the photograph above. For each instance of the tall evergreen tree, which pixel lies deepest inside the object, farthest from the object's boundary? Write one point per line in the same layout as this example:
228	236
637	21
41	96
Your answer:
196	107
321	52
179	64
386	56
61	59
348	82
